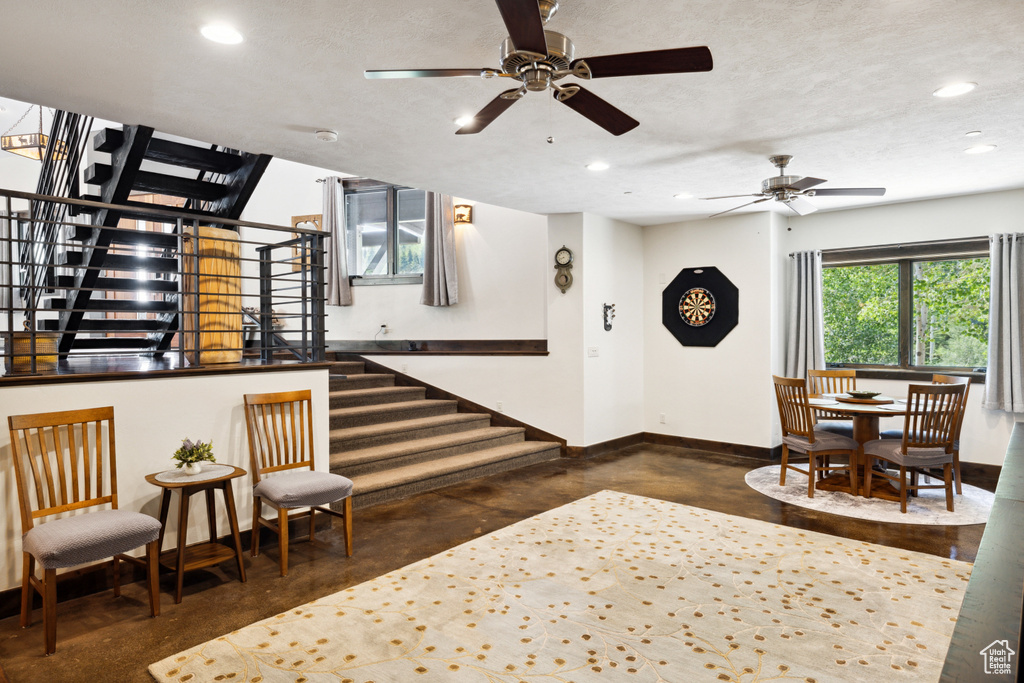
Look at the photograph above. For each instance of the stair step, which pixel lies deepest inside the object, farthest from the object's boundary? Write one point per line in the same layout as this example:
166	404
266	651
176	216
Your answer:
160	183
347	368
166	240
110	325
364	381
139	215
375	396
126	262
191	156
119	305
114	343
367	436
389	412
400	454
108	140
122	284
401	482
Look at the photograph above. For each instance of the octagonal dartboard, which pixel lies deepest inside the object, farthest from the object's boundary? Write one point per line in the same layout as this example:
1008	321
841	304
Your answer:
700	306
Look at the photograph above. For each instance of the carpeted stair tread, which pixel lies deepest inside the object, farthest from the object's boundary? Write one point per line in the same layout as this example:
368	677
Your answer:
347	368
364	460
444	467
365	380
365	436
349	398
389	412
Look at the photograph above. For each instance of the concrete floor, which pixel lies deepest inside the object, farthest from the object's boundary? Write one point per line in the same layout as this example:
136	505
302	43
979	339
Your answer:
102	638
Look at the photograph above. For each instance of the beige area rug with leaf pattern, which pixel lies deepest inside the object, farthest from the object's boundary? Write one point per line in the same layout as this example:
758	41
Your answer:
615	587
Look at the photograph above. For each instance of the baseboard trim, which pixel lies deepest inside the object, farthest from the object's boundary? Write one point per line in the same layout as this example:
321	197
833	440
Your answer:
464	405
442	347
596	449
725	448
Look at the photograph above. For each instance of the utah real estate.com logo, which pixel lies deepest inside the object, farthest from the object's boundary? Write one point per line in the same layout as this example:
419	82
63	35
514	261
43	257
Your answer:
998	658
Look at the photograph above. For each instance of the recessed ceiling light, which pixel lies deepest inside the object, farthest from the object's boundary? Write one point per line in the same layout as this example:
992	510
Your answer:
980	149
972	133
954	89
683	195
221	33
597	166
463	120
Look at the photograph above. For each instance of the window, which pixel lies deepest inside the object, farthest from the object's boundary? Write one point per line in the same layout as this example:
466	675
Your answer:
384	227
914	307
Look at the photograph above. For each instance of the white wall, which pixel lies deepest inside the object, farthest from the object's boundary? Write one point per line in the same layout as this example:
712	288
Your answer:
985	432
720	393
613	382
151	417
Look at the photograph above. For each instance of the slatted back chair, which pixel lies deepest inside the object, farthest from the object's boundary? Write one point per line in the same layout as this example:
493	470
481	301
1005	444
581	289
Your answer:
835	381
933	413
798	433
280	431
65	462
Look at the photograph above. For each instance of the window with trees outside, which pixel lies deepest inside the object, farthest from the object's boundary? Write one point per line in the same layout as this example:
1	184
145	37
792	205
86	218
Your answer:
915	307
384	229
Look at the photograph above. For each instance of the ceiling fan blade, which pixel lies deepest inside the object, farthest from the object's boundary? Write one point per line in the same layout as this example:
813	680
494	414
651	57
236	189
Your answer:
525	26
807	183
493	110
424	73
677	61
612	119
801	206
850	192
731	196
756	201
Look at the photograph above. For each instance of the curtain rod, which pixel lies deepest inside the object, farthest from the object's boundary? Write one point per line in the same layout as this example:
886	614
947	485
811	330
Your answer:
905	245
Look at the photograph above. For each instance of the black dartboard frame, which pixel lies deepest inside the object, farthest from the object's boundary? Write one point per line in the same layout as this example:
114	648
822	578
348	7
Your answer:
700	307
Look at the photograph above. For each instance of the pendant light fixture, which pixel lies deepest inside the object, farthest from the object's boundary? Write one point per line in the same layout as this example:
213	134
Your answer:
32	145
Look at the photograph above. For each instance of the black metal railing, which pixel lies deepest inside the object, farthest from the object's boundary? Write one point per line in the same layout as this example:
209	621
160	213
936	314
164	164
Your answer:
58	177
174	288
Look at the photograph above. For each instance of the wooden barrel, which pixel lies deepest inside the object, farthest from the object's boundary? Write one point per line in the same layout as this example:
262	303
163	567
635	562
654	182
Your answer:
220	302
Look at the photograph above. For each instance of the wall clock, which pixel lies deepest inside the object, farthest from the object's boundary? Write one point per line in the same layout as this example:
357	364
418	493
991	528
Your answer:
700	306
563	268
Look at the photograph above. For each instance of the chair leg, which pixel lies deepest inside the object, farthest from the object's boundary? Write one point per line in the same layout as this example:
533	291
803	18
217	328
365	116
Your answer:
956	472
312	524
812	468
254	547
28	566
117	576
282	538
947	472
348	526
867	479
903	489
853	474
153	576
785	464
50	609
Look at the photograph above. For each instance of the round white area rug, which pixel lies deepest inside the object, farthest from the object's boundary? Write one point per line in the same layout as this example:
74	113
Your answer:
973	507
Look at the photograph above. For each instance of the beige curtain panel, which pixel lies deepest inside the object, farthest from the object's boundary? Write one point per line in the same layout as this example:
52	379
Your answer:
339	290
1004	381
440	279
805	338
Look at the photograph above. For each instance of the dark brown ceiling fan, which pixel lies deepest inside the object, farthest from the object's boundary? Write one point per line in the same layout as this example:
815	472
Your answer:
792	190
538	58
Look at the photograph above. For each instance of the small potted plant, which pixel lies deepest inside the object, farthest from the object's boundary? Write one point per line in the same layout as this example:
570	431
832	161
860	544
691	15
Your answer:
192	455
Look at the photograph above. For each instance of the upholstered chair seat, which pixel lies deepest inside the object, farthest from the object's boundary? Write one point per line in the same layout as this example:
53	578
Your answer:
88	538
303	488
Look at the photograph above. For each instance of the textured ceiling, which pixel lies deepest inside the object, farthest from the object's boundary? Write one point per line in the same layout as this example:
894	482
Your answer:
845	87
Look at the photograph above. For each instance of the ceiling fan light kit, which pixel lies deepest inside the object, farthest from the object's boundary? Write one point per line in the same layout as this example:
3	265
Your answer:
793	190
538	58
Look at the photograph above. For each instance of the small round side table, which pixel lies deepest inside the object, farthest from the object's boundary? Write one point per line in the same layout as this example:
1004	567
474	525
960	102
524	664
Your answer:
188	557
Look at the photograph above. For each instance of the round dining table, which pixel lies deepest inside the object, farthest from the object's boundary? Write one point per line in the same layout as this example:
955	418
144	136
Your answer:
865	415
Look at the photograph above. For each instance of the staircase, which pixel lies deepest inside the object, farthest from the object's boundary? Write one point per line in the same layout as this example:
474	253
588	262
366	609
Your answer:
393	442
213	182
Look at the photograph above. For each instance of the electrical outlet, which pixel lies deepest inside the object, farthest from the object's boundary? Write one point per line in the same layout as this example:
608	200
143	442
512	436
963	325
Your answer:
501	407
593	351
661	418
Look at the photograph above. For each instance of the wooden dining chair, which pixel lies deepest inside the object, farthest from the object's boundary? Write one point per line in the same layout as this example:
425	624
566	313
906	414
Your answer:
834	381
65	462
800	434
280	429
929	428
945	379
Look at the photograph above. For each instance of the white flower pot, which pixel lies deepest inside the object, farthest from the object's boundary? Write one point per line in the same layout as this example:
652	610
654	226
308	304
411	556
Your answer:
193	468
